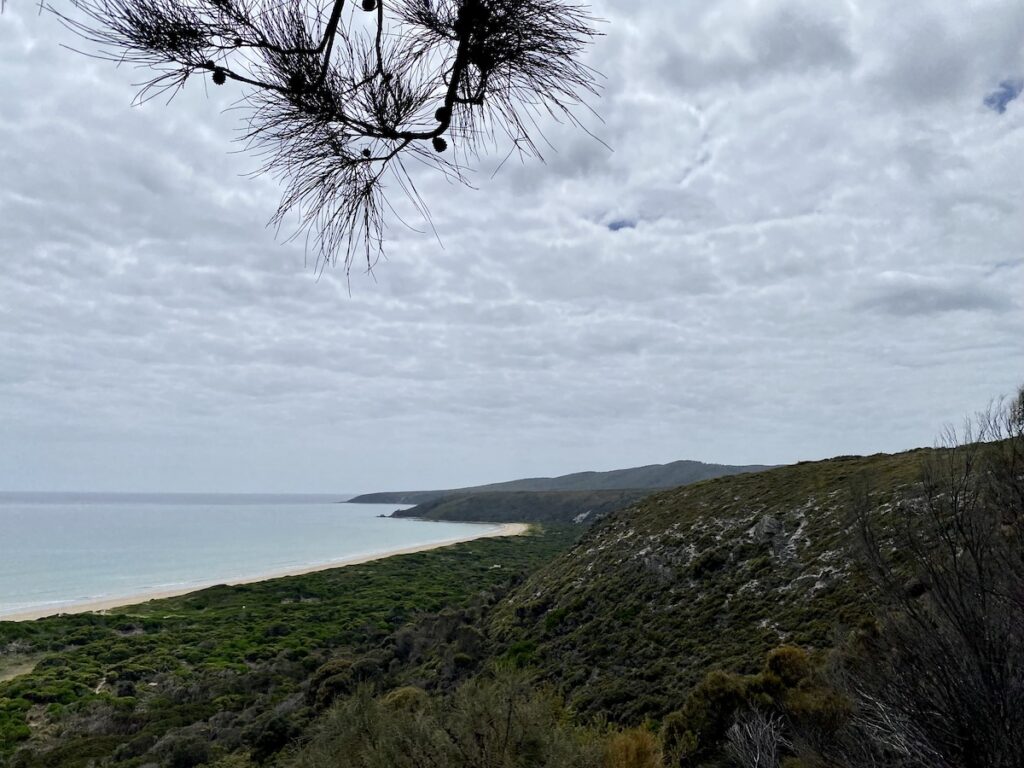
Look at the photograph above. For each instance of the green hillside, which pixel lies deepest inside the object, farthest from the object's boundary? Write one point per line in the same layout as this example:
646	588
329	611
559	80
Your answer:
561	507
669	475
711	575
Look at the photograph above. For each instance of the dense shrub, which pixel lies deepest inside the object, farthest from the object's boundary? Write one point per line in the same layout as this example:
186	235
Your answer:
790	693
408	698
710	708
185	751
789	663
633	748
270	734
496	723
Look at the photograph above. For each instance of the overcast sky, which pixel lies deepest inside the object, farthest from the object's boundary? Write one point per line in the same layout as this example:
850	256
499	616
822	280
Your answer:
807	241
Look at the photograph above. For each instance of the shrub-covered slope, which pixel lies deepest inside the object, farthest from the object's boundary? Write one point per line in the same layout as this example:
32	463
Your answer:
708	575
563	507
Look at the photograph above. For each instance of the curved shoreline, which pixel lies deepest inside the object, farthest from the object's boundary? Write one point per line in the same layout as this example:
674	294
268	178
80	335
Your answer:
108	604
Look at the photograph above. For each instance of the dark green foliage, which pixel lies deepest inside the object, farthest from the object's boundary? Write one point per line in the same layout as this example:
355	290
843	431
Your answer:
330	681
556	507
521	653
270	733
791	686
709	562
706	716
789	663
251	664
185	752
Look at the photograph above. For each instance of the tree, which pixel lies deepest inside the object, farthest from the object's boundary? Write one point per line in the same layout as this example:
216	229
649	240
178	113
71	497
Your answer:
940	681
339	95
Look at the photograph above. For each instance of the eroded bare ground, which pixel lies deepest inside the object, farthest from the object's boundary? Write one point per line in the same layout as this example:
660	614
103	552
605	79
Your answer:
17	664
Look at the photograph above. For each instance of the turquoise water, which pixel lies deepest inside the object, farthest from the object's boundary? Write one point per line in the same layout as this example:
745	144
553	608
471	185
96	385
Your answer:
60	549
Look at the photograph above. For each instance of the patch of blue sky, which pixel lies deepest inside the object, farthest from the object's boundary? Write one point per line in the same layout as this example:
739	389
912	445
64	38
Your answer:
618	224
1007	91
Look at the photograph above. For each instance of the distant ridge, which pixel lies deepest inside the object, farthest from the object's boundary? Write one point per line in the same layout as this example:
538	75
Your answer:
559	507
651	476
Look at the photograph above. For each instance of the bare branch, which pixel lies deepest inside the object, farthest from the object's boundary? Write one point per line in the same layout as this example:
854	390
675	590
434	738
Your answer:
941	681
756	740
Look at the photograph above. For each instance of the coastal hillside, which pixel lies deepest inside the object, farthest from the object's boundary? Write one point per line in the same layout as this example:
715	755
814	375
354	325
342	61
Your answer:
707	576
558	507
653	476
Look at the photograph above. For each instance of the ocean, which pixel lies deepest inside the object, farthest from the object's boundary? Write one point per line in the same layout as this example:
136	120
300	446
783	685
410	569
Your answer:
60	549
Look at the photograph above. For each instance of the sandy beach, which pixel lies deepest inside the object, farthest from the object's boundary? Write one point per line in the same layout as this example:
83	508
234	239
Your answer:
109	604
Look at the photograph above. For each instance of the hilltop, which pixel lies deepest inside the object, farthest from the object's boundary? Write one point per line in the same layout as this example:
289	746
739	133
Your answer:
651	476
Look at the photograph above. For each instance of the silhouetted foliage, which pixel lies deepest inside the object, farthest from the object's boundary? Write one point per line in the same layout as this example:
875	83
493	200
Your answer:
756	739
940	680
341	94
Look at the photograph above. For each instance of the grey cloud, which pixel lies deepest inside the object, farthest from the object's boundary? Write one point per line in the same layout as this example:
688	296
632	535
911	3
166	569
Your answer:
907	295
942	54
730	44
153	333
927	62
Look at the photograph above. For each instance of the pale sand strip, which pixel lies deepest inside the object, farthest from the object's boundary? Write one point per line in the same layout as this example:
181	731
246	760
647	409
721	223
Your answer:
100	606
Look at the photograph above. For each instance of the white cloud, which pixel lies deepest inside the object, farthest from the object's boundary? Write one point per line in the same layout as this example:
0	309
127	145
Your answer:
825	260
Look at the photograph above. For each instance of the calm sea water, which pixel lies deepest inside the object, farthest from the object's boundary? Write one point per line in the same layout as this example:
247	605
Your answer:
61	549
